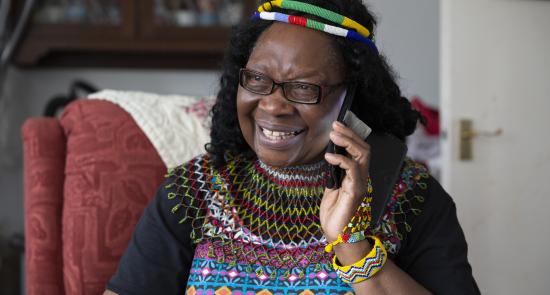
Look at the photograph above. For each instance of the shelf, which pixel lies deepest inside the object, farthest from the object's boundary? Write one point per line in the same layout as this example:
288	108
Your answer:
138	41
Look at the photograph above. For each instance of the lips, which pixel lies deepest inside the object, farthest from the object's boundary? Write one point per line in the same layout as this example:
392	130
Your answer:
277	136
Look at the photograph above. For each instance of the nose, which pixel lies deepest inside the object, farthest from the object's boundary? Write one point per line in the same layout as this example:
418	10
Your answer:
276	104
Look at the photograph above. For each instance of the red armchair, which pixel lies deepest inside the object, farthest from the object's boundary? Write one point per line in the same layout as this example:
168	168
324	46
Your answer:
87	177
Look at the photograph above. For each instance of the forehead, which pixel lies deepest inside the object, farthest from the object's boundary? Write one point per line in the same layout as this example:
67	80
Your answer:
291	50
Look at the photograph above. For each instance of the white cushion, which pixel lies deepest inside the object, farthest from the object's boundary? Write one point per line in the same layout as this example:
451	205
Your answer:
176	125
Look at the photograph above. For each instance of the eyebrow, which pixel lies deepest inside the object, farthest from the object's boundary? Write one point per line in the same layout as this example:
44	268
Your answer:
308	74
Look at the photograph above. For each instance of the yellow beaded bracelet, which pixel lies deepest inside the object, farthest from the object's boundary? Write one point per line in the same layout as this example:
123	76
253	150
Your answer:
365	268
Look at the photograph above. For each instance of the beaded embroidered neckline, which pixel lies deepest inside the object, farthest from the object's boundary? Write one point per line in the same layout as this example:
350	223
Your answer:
276	206
292	178
249	212
304	172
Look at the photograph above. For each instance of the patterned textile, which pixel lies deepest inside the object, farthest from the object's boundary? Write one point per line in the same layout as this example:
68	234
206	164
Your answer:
168	121
257	228
88	177
210	276
111	173
44	163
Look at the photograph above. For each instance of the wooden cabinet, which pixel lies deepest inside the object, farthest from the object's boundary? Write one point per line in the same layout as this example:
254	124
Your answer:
132	33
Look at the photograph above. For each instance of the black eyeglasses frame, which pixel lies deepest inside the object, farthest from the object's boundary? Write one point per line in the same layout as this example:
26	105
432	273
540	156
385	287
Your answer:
274	84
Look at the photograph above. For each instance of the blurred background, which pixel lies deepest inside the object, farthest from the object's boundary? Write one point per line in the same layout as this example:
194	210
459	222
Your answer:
478	69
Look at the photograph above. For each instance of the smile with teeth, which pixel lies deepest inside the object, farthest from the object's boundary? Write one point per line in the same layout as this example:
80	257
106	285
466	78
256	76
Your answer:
277	135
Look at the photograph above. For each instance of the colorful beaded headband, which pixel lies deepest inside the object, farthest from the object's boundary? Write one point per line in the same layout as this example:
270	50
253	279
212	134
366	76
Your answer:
317	11
312	24
358	32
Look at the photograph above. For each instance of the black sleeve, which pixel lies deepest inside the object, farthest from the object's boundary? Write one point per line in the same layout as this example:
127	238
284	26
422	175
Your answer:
435	251
159	256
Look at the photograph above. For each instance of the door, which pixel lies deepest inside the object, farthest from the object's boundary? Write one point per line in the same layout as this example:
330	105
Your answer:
495	70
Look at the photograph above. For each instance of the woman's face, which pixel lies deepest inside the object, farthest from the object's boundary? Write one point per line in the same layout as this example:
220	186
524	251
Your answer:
281	132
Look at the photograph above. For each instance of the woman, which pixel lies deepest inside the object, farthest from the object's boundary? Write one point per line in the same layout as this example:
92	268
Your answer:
253	215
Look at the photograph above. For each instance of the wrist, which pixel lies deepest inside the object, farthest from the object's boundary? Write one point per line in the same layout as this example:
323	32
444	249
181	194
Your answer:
348	254
364	268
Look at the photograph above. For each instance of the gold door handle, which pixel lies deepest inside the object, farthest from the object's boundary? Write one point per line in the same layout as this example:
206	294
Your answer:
475	133
468	133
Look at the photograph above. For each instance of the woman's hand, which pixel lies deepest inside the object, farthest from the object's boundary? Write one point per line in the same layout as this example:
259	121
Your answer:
339	205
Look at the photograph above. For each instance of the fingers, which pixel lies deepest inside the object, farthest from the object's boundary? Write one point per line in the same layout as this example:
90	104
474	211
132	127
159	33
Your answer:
354	184
353	169
357	148
348	132
357	164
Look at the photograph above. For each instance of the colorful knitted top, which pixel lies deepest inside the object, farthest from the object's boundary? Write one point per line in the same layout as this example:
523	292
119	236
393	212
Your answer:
257	228
248	228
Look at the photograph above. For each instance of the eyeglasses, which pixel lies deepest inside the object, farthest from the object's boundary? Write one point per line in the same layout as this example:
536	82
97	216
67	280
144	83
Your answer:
299	92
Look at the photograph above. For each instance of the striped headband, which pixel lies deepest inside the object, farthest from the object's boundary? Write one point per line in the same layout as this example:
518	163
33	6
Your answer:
357	31
312	24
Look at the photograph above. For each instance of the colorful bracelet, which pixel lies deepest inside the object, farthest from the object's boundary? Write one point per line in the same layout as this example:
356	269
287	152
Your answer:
365	268
346	238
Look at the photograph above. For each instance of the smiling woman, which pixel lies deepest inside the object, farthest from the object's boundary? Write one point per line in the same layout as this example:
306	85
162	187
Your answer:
254	214
282	132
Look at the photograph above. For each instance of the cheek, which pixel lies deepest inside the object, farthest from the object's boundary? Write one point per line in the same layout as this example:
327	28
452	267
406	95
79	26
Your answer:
321	120
245	110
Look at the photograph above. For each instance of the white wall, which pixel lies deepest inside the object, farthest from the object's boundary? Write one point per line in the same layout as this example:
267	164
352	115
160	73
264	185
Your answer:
407	35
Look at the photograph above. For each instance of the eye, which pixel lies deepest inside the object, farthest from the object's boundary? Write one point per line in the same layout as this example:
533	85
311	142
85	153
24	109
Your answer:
305	87
258	78
256	82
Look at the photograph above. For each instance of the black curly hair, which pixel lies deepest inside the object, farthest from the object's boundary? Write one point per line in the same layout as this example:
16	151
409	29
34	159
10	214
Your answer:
378	100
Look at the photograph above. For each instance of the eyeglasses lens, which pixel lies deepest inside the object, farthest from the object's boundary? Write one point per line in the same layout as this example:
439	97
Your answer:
294	91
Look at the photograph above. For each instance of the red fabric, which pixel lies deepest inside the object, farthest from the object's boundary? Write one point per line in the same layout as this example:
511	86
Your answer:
431	115
111	172
43	166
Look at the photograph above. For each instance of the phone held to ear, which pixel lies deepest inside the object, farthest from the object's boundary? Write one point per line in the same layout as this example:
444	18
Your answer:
387	154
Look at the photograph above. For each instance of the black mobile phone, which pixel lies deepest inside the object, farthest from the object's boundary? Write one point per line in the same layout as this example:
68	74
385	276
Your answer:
337	174
387	154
